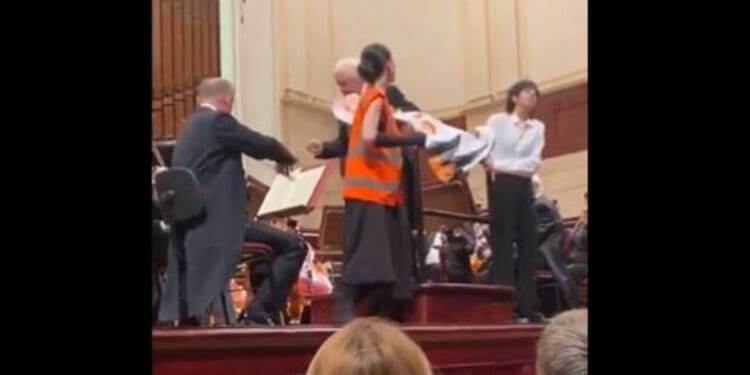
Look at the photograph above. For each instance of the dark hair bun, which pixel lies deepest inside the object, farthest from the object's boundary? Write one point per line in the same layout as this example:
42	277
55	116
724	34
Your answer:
368	71
372	62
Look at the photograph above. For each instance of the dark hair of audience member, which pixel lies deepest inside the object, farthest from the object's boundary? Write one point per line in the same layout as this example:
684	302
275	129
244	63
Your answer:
369	346
515	90
372	62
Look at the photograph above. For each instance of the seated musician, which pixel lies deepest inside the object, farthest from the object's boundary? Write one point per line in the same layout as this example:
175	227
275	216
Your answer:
460	245
289	252
435	243
481	261
549	236
208	249
579	256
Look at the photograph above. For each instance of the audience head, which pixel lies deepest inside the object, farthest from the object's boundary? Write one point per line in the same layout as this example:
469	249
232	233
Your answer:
522	97
563	348
376	63
369	346
346	77
218	92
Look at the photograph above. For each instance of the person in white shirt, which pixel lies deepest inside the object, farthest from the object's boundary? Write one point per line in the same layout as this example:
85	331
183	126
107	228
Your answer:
517	142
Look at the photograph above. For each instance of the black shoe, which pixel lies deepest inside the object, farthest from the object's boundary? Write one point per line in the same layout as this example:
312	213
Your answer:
189	322
535	318
262	319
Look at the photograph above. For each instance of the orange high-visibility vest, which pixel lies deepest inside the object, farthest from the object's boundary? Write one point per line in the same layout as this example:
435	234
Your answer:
373	174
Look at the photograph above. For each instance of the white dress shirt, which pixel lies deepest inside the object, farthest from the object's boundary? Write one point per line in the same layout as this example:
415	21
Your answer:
433	255
516	145
209	106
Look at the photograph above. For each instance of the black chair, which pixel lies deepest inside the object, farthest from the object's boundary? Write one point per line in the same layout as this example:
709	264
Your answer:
180	195
181	201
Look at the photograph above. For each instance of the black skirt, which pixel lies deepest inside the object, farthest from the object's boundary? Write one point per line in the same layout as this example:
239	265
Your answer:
377	247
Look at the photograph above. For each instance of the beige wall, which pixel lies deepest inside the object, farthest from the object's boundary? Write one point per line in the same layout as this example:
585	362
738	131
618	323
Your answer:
565	178
457	57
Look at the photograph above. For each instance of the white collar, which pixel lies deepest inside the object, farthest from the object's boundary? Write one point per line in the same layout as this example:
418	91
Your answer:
209	106
521	124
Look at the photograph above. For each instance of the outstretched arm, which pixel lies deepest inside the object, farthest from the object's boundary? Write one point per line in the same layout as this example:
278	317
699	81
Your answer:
337	147
233	135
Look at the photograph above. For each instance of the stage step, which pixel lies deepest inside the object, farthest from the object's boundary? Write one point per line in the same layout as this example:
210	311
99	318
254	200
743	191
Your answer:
439	303
452	350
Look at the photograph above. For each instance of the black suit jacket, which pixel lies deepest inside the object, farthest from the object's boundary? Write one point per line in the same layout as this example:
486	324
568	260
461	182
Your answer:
211	146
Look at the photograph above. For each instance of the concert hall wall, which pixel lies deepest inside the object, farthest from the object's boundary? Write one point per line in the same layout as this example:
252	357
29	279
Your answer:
185	48
455	59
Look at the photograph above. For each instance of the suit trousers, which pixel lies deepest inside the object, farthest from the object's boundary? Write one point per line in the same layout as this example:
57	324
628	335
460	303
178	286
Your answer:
514	221
289	252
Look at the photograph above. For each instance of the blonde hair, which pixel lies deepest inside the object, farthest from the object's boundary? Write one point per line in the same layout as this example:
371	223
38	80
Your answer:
369	346
563	348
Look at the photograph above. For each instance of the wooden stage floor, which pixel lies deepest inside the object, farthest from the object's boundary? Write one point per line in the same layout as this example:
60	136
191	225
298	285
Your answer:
452	349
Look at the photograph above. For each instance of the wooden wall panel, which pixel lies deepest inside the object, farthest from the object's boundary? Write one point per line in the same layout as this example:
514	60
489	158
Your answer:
205	38
157	116
187	32
179	64
565	115
185	50
167	52
213	36
197	40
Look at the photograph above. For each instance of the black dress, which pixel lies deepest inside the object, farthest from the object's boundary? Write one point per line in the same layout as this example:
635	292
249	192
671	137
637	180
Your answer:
378	247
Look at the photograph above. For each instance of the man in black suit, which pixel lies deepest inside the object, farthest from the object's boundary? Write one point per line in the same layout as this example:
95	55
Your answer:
549	231
206	252
348	81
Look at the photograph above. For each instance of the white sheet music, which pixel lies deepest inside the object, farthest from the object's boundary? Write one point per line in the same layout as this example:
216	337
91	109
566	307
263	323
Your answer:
291	192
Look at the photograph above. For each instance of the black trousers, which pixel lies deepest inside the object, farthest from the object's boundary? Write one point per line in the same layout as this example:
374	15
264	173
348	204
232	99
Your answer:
382	303
514	221
550	250
289	252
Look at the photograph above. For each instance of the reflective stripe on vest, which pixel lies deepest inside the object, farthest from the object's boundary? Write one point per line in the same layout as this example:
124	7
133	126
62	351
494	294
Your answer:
361	151
359	182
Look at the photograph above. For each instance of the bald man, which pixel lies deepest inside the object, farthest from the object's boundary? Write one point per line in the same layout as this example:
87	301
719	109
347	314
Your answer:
205	252
348	81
